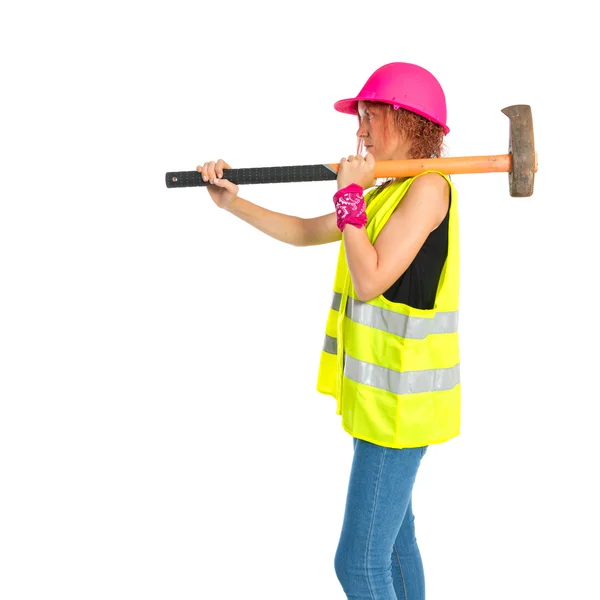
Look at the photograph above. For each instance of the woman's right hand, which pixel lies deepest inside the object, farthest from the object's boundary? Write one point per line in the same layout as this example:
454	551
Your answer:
222	191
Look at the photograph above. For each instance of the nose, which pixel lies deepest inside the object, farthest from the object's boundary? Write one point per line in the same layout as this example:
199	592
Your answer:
362	130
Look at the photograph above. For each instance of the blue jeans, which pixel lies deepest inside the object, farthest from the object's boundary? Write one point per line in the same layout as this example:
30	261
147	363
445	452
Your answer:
377	557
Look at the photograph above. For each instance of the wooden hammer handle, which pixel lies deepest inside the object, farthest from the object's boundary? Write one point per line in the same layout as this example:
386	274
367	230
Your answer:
386	168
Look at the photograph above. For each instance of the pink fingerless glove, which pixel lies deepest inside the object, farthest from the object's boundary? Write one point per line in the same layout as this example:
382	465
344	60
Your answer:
350	207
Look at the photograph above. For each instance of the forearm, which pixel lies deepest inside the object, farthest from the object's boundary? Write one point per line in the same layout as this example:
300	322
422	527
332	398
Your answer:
285	228
362	260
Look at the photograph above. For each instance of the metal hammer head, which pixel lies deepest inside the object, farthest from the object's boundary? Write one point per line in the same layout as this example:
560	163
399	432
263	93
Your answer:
522	148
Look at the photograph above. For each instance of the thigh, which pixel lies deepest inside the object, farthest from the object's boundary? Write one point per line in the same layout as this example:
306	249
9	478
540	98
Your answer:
379	492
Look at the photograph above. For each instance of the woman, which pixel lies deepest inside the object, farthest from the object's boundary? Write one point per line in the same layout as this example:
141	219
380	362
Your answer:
390	357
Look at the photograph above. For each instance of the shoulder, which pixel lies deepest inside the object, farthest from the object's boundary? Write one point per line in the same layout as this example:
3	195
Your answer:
427	200
431	180
432	186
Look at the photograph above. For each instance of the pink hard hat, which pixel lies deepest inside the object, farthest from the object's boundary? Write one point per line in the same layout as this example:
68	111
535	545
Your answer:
402	85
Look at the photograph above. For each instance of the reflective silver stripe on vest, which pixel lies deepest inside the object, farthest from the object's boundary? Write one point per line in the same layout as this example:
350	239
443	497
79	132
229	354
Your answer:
414	328
330	344
337	300
409	382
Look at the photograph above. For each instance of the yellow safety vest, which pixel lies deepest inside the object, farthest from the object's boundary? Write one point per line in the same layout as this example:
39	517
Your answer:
394	369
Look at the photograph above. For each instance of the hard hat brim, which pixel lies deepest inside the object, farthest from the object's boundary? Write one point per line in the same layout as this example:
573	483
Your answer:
349	106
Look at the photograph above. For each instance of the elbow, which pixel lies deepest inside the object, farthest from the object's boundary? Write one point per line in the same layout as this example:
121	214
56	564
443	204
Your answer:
365	293
375	287
369	290
363	287
366	297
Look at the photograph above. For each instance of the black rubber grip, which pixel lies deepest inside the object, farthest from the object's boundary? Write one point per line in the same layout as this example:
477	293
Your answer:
257	175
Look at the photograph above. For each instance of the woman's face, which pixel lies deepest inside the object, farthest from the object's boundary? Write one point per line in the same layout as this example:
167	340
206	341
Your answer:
382	145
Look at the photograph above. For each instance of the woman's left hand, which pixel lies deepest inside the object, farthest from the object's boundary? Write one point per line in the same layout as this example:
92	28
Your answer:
356	169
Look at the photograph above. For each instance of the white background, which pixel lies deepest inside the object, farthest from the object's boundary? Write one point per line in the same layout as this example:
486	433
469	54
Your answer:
160	432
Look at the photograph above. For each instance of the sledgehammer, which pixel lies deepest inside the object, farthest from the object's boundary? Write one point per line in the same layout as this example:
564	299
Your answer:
520	163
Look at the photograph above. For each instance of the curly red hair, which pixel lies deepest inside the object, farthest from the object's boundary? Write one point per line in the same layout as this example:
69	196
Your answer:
425	137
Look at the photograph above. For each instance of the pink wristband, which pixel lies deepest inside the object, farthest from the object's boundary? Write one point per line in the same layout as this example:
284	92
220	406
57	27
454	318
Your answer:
350	207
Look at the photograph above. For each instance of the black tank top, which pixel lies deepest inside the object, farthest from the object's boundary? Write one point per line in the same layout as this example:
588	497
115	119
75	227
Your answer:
418	285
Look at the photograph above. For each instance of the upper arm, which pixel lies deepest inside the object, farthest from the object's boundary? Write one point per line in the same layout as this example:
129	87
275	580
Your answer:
320	230
422	209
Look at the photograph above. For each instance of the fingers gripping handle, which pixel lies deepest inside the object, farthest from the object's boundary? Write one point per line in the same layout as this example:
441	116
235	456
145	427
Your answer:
255	175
